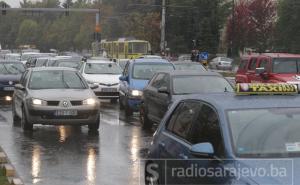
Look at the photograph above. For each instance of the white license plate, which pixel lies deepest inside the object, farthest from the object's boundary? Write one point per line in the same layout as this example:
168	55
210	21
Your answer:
66	113
109	90
8	88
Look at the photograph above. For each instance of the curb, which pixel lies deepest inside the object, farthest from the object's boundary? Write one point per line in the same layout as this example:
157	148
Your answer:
9	170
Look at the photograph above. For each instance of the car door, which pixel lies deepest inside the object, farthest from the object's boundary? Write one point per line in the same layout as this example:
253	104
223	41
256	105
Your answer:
163	98
206	129
251	70
148	92
153	101
124	85
262	63
174	144
20	94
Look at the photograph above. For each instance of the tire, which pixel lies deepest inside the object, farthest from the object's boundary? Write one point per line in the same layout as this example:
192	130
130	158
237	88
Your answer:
121	101
146	123
26	126
149	178
16	118
128	111
95	126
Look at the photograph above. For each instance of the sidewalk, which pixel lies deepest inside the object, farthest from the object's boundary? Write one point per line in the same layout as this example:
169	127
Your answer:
8	175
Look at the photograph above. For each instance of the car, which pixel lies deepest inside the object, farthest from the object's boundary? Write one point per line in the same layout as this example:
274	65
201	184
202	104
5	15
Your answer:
72	62
221	63
218	138
13	56
165	87
269	68
189	66
184	57
134	79
151	56
30	58
55	96
105	74
10	74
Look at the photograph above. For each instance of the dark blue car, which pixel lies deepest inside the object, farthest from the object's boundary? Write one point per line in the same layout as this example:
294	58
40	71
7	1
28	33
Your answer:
134	79
10	74
227	139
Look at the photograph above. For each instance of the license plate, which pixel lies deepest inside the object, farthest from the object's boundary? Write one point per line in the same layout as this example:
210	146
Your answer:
66	113
8	88
109	90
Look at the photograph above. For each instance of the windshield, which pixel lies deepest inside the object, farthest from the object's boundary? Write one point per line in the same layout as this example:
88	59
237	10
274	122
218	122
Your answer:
109	68
204	84
138	47
11	68
76	64
56	80
41	62
146	71
226	59
12	57
190	66
286	65
265	132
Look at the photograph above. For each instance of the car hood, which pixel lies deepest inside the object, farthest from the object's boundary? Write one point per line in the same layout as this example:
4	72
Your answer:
286	168
13	78
287	77
62	94
102	78
138	84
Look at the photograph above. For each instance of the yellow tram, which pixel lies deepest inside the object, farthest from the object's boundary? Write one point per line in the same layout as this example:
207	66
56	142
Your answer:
126	49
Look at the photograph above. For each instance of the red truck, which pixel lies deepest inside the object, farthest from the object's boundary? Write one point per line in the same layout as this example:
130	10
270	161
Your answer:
269	68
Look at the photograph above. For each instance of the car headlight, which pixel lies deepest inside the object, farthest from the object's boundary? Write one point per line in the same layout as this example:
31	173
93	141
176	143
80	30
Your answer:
90	101
37	102
90	82
136	93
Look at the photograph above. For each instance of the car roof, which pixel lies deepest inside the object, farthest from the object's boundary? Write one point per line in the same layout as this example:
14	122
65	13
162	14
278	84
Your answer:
227	101
191	73
149	60
52	69
10	61
279	55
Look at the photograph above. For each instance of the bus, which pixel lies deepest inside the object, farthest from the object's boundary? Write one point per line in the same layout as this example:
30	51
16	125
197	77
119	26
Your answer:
126	49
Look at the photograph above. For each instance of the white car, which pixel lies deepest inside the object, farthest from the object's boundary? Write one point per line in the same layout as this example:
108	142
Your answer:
221	63
105	74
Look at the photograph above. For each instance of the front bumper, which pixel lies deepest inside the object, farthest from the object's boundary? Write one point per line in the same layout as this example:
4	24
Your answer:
46	115
107	92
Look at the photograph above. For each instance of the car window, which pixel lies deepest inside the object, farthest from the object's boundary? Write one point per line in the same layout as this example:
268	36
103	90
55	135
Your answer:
243	64
125	72
161	80
56	79
102	68
285	65
264	63
252	65
206	128
146	71
182	124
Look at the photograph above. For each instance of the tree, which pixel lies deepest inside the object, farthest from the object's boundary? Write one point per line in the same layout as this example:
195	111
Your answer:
288	26
28	33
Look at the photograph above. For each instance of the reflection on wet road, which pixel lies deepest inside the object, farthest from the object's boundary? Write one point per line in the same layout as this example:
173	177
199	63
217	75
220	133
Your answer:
66	155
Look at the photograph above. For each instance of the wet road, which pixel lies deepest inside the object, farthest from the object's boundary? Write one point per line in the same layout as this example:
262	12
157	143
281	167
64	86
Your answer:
70	156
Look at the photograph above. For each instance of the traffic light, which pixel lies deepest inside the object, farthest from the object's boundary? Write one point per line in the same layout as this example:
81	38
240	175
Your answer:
4	6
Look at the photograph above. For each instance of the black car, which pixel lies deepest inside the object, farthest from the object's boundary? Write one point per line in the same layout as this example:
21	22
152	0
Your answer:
10	74
165	87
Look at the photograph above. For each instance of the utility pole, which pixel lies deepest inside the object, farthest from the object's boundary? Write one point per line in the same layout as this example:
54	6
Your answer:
163	27
233	30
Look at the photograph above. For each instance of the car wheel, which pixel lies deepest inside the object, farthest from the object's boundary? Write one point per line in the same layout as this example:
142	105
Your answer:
95	126
128	111
26	126
121	101
16	118
146	123
151	178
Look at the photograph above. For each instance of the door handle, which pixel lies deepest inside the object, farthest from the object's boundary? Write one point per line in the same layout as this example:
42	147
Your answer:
182	156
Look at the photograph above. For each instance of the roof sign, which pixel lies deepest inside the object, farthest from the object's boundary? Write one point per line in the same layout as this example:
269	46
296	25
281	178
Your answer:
266	88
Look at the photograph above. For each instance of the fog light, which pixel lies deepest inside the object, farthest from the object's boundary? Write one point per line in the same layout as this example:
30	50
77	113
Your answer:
8	98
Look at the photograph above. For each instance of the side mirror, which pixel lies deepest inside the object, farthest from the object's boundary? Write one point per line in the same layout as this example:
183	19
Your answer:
202	150
163	90
123	78
94	86
260	70
19	87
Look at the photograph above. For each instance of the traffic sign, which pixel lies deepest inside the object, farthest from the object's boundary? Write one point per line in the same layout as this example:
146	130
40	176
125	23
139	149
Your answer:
204	55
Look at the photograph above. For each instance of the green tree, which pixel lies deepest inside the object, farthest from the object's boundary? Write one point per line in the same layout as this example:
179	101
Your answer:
28	33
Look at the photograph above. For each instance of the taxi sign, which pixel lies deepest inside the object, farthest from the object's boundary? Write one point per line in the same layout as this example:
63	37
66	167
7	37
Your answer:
266	88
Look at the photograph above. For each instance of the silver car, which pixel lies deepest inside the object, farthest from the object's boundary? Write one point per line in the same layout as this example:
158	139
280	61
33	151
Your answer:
55	96
221	63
